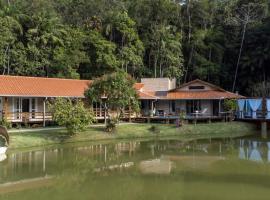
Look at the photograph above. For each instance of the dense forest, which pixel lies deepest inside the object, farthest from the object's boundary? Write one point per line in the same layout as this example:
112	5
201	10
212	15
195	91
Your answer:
225	42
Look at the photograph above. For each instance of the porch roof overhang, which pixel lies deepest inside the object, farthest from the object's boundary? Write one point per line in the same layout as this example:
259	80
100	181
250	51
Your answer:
203	95
146	95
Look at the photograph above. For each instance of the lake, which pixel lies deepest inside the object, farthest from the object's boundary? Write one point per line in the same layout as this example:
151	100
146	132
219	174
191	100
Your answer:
158	169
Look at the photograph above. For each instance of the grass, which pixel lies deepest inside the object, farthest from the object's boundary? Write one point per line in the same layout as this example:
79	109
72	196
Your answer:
132	131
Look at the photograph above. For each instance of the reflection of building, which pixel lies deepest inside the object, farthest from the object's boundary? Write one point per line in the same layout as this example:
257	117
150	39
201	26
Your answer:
253	151
156	166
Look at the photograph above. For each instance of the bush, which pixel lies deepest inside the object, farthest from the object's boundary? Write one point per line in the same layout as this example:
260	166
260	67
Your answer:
154	129
4	136
230	105
72	115
111	125
6	123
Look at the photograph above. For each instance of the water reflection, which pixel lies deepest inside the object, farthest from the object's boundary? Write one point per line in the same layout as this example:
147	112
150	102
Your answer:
166	169
256	151
156	157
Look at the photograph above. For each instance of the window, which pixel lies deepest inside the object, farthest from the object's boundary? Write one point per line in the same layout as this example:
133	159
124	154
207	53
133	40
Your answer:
196	87
17	108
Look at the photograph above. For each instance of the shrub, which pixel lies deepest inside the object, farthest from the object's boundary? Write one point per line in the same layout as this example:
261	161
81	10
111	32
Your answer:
4	136
154	129
111	125
5	123
73	115
230	105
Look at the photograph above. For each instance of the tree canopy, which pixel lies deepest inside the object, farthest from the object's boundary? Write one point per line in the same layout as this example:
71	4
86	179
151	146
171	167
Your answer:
115	91
223	42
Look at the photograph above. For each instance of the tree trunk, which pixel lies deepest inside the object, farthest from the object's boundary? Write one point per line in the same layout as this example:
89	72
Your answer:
189	20
189	62
239	55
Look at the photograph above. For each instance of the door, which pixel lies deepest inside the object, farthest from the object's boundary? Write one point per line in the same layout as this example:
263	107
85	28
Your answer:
216	107
192	106
25	106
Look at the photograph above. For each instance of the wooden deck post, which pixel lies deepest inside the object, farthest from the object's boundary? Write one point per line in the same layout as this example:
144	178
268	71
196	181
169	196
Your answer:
5	108
129	113
105	114
44	112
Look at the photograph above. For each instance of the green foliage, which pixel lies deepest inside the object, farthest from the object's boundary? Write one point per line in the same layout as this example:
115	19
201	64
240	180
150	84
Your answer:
230	105
260	89
182	115
145	38
122	31
73	115
4	122
111	125
116	90
102	56
154	129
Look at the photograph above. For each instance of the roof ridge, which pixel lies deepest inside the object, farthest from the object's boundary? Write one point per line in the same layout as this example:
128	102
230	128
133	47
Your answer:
40	77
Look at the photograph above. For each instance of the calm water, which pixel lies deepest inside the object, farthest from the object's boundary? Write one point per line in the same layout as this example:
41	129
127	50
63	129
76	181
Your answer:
203	169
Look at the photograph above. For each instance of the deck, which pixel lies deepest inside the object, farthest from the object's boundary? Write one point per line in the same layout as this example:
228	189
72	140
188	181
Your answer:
40	117
173	119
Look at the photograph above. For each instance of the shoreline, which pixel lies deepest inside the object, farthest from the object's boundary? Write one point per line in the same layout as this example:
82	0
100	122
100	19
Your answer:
49	137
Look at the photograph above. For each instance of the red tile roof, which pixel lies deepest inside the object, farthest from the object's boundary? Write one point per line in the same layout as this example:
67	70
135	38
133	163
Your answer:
147	95
56	87
138	86
208	94
42	87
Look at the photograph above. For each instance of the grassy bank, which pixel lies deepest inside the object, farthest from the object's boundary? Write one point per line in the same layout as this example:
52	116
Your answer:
132	131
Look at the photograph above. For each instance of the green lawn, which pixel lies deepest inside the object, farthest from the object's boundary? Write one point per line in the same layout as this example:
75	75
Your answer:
132	131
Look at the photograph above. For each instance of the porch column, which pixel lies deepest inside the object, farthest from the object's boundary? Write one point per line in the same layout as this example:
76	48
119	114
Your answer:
44	112
152	108
219	107
105	113
5	106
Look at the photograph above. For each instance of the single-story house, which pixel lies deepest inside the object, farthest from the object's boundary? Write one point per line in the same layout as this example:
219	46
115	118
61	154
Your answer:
162	97
23	99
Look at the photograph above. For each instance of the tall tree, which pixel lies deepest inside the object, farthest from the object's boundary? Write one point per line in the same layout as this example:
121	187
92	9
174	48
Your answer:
243	13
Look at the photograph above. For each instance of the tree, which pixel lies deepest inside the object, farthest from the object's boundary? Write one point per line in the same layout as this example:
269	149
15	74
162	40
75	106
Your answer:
243	13
121	29
101	54
115	91
71	114
10	30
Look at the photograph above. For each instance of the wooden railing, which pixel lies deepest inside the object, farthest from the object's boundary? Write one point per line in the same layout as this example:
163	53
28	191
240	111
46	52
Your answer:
39	116
99	112
27	116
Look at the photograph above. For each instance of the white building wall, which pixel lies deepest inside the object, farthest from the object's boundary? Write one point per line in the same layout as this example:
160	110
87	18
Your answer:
158	84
